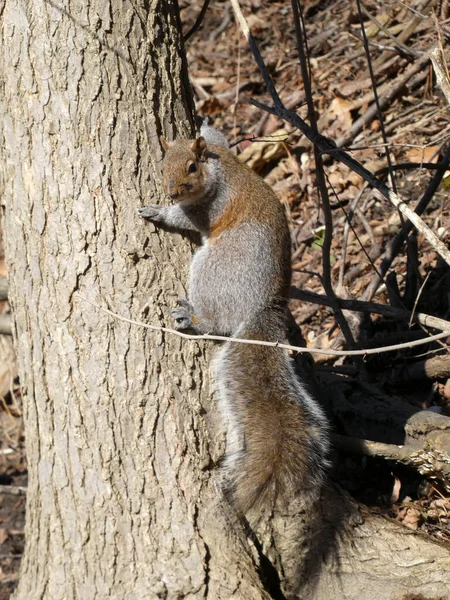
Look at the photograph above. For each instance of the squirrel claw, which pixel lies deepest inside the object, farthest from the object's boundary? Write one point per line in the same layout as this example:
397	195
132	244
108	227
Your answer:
149	212
184	315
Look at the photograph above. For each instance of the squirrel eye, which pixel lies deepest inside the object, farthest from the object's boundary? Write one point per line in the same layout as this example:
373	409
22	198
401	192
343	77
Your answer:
192	168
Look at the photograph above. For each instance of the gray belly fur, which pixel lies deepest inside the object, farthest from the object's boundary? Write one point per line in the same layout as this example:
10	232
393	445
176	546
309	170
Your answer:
228	284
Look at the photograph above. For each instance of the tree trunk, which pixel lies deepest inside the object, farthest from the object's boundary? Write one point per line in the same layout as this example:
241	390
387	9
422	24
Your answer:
123	439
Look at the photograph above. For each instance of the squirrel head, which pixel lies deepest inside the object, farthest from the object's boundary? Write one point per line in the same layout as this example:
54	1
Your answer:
184	170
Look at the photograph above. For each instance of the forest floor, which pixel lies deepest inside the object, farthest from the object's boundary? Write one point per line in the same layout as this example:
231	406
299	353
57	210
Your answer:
383	396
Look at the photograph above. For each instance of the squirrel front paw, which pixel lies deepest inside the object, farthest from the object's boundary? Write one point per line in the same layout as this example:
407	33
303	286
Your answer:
184	316
152	212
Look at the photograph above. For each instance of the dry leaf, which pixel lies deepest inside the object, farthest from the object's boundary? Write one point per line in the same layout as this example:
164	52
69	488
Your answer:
210	106
428	154
340	108
257	154
411	517
439	508
256	23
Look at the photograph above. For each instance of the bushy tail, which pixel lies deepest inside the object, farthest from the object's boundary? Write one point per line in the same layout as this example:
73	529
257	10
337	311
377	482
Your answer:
277	436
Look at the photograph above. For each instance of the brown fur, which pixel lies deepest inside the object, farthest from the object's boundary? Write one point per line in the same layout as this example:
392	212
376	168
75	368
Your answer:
283	432
282	445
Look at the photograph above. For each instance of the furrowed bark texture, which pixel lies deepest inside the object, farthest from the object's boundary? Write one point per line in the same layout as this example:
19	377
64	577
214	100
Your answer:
122	435
121	503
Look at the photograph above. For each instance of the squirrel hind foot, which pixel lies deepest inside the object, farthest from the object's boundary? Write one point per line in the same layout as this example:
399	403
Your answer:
184	316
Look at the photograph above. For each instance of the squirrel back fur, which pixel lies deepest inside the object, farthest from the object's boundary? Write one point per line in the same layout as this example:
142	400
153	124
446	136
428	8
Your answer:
277	438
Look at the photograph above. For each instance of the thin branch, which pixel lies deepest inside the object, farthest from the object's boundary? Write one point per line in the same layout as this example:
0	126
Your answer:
198	21
400	45
320	177
375	94
222	338
419	293
348	218
320	172
410	165
396	243
372	307
256	53
327	146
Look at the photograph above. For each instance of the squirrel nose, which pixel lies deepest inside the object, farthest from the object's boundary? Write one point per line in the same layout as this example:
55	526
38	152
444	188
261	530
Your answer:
172	192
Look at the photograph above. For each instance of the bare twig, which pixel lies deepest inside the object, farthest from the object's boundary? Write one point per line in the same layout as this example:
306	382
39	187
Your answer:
256	53
222	338
419	293
376	97
396	243
326	146
387	33
320	173
410	165
374	251
320	177
348	217
384	101
440	69
198	21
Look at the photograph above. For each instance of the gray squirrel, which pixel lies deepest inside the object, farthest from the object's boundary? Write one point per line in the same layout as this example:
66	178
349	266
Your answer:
277	435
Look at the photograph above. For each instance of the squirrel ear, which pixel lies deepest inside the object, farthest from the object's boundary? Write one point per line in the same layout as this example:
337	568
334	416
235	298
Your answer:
164	143
199	147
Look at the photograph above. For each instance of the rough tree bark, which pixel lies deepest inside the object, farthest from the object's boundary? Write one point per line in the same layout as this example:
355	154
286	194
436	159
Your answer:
121	429
119	421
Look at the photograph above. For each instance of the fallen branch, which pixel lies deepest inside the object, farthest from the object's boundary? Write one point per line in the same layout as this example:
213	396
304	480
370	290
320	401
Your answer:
372	307
420	438
428	461
385	100
434	368
371	448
